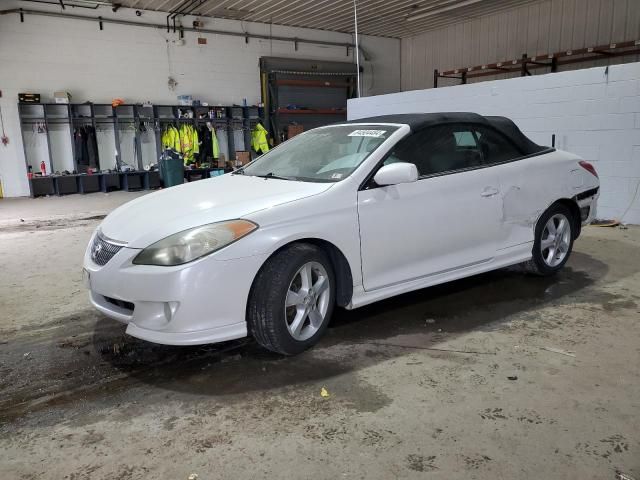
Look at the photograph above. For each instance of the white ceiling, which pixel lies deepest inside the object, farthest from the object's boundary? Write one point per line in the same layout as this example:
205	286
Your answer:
375	17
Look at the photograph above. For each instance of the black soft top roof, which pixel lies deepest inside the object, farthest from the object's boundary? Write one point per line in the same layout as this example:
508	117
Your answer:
418	121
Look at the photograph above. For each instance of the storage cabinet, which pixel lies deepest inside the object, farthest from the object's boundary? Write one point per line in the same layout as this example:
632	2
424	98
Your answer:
126	135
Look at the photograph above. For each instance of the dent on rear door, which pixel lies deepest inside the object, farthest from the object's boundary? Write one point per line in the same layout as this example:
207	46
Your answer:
528	187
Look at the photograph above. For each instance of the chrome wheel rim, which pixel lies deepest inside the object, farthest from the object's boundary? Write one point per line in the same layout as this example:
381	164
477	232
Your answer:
556	239
307	301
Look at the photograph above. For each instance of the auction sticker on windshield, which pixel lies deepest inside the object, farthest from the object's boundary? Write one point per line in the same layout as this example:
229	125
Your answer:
368	133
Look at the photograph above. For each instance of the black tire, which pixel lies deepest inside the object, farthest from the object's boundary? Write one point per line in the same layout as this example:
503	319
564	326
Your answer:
266	317
537	264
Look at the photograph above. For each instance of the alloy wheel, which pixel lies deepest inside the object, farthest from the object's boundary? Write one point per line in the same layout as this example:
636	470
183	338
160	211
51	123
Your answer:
556	240
307	301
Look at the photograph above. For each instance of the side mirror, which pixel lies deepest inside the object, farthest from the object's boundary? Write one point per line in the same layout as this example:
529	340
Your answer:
395	173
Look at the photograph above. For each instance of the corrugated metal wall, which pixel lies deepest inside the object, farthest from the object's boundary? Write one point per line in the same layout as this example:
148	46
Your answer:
543	27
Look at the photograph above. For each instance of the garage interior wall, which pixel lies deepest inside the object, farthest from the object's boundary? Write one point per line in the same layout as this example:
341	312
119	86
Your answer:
46	54
594	113
543	27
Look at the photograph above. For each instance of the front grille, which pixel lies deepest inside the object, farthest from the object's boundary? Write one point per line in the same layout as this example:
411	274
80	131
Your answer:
102	251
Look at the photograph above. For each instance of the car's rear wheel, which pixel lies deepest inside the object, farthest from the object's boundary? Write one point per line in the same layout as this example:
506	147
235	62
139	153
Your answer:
553	241
292	299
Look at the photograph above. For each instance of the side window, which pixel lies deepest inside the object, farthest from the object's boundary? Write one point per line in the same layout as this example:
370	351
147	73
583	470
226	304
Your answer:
465	138
439	149
409	149
495	147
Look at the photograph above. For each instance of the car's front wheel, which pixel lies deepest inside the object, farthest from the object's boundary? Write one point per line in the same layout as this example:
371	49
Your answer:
553	241
292	299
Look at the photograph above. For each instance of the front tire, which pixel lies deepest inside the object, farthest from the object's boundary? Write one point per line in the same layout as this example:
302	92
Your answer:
553	241
292	299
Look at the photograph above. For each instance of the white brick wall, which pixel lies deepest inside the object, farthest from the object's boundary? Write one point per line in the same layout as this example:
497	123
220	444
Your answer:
46	54
592	113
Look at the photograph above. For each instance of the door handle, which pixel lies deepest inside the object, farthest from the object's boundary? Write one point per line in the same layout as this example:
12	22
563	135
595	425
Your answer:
489	192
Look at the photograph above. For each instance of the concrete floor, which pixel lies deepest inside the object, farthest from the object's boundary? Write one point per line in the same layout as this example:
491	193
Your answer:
466	380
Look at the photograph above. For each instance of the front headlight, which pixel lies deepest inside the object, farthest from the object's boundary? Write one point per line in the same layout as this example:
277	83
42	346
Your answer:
189	245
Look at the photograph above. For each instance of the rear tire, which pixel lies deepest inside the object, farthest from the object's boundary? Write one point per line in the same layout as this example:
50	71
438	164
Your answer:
553	241
292	299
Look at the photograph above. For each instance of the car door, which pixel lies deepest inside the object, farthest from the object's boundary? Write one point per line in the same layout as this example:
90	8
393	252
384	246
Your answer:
521	186
448	219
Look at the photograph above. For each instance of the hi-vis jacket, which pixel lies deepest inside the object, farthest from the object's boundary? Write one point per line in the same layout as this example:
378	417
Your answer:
171	138
183	140
259	139
214	145
189	142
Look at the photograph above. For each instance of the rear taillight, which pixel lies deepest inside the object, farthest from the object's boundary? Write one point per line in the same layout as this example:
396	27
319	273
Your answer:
589	168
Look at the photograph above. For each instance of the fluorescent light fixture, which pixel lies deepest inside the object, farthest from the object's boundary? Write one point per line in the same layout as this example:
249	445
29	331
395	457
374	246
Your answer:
436	11
230	12
103	3
78	3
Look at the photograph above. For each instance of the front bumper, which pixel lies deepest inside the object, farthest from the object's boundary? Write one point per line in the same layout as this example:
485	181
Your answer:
197	303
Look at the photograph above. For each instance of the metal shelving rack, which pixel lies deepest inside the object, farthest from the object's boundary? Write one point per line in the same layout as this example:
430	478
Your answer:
305	92
309	117
229	118
526	63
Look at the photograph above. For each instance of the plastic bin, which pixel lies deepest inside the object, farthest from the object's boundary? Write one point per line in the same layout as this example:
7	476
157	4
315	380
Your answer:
154	179
172	171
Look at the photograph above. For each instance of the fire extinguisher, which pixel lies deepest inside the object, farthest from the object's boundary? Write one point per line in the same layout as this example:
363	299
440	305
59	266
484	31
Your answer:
43	168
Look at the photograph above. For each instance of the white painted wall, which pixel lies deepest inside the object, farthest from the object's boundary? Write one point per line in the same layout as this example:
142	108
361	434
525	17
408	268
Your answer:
46	54
593	113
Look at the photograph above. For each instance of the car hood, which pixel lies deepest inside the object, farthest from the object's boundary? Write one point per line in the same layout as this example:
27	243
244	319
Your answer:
155	216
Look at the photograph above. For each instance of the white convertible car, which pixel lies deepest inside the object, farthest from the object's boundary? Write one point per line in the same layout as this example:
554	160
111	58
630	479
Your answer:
343	215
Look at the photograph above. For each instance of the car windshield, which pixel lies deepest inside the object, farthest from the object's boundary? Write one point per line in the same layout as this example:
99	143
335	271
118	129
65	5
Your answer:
327	154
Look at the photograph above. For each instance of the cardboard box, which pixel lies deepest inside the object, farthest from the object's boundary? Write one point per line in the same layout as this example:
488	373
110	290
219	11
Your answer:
242	158
293	130
221	162
185	100
62	97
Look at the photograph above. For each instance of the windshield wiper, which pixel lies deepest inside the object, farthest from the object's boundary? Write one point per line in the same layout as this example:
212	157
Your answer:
271	175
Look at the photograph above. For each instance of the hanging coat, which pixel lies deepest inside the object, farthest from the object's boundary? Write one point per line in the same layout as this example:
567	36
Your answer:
195	143
259	139
92	148
164	138
171	138
188	142
185	141
209	148
80	146
215	147
174	138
